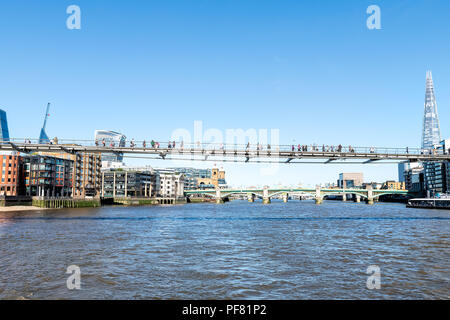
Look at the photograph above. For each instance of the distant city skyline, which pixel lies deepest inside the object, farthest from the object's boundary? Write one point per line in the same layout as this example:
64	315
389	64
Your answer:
314	72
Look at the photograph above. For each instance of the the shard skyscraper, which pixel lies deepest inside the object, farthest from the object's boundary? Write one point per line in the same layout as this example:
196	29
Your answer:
431	138
431	134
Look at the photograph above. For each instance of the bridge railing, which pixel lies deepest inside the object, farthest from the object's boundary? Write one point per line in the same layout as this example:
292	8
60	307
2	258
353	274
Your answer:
178	146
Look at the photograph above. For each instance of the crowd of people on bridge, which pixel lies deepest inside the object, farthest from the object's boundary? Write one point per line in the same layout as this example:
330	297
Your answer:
258	147
324	148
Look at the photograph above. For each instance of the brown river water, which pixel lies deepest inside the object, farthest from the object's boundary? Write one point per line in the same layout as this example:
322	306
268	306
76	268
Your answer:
238	250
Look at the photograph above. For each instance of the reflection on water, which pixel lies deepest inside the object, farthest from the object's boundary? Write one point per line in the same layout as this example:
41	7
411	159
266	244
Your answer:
237	250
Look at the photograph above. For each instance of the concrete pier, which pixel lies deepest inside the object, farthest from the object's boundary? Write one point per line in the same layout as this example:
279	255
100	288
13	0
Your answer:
318	198
370	198
219	199
266	198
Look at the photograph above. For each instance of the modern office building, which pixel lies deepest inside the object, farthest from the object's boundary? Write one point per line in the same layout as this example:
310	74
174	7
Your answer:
447	174
350	180
446	145
412	174
402	168
47	176
112	139
191	175
4	131
10	174
435	178
414	180
127	183
436	173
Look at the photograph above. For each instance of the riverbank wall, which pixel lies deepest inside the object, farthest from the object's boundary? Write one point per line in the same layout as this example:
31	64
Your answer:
60	203
9	201
132	201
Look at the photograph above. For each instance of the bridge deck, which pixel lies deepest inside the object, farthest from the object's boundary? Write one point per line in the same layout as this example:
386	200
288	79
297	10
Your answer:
240	154
295	190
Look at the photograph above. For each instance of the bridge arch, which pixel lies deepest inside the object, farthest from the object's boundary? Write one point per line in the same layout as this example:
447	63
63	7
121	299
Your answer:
240	192
208	194
291	192
377	195
342	193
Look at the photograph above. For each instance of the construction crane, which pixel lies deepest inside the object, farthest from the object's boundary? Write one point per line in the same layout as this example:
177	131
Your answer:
43	138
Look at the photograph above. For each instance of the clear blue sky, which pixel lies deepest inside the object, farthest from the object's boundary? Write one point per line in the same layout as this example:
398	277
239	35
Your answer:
309	68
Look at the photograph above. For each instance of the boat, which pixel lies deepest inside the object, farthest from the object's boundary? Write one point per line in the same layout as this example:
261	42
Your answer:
429	203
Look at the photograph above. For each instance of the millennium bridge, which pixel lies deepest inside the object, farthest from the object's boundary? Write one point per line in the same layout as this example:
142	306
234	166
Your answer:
232	152
369	194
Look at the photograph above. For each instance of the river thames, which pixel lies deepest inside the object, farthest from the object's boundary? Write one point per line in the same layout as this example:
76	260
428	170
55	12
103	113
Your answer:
238	250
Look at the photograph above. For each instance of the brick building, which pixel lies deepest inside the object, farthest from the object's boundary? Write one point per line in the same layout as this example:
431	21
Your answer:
11	174
87	176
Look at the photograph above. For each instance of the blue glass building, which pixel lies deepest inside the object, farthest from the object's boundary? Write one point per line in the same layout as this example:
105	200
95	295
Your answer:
4	132
108	137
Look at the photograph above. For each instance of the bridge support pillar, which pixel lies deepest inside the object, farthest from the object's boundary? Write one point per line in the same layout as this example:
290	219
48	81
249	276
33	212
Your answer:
266	198
219	199
285	197
370	195
250	197
357	198
344	196
318	196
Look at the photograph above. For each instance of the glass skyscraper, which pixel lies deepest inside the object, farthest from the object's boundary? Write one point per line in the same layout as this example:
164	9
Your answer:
111	137
4	132
43	137
431	134
431	138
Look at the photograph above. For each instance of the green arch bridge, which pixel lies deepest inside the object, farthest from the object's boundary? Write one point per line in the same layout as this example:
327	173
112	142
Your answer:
369	194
